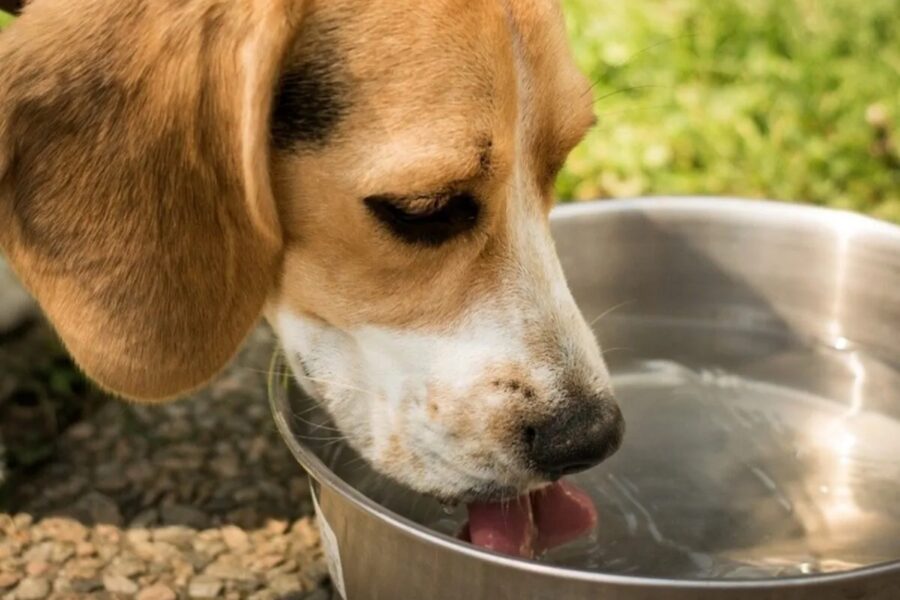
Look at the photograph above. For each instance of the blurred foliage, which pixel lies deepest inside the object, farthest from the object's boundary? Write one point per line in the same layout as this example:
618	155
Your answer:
5	19
786	99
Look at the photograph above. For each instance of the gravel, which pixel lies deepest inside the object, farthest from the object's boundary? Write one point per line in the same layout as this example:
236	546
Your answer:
195	499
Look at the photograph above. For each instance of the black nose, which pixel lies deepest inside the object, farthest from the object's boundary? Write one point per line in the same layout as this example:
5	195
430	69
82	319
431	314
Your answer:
582	434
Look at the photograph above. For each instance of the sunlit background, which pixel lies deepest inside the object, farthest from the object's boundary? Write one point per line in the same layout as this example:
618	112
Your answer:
786	99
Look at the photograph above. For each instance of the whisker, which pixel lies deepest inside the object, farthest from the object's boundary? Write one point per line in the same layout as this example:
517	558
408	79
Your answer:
315	426
644	50
329	439
606	351
608	311
337	384
630	88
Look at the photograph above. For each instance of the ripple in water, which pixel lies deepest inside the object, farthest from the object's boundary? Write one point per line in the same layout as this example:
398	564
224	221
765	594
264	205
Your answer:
723	477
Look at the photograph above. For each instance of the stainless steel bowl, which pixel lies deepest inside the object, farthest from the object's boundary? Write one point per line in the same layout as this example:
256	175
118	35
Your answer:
755	350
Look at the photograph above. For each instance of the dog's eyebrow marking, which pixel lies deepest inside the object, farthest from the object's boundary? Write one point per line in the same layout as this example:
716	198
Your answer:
311	100
434	170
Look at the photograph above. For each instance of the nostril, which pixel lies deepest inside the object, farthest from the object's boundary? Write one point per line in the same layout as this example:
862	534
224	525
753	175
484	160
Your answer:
530	434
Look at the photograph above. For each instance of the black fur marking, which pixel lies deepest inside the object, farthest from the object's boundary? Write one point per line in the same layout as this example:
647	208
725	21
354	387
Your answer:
310	102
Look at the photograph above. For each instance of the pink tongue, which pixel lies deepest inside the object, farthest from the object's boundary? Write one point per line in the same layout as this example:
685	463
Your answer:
532	523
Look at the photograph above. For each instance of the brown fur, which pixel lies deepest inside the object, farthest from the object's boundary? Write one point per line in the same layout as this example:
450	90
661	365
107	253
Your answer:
144	207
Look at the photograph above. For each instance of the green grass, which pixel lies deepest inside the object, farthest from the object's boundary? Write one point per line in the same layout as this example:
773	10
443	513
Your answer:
5	19
785	99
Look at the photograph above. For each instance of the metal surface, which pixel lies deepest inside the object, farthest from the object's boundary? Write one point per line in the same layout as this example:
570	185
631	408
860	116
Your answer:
799	298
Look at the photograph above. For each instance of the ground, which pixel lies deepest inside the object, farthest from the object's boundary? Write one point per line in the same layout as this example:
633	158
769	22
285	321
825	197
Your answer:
793	100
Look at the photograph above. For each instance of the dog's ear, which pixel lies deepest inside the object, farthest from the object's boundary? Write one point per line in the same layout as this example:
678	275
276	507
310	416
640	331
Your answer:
135	194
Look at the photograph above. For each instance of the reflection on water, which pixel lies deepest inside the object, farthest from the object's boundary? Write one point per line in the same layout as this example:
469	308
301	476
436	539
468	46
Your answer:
749	457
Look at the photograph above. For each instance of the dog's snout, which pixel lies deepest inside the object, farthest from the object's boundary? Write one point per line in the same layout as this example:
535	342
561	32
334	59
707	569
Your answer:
581	435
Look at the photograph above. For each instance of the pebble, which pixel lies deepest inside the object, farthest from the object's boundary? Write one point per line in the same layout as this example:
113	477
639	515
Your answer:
32	588
235	537
117	584
215	504
8	580
126	565
204	586
176	535
157	591
95	507
36	568
183	515
285	584
227	570
85	549
85	585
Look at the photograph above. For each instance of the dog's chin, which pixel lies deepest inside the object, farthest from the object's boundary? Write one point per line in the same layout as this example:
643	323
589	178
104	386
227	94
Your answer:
452	495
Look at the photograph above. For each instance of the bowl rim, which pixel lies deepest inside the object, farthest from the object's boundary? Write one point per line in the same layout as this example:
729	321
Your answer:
845	221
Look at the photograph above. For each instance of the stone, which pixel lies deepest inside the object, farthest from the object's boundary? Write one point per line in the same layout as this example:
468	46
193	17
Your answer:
32	588
210	548
178	514
117	584
155	551
158	591
81	431
85	585
109	534
62	552
62	529
228	570
306	533
8	579
204	586
126	565
317	594
22	521
285	584
83	568
136	536
226	465
36	568
109	477
95	507
276	527
177	535
40	552
235	537
145	518
61	586
266	562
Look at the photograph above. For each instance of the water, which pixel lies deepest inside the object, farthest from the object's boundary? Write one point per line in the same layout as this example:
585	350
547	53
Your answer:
749	455
725	477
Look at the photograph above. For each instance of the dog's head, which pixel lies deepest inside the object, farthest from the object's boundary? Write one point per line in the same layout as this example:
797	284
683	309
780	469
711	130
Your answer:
374	177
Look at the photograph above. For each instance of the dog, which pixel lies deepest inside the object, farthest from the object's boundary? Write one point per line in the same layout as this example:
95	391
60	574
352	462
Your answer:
372	178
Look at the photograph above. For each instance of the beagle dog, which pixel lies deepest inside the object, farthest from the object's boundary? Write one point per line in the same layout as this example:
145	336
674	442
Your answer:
374	178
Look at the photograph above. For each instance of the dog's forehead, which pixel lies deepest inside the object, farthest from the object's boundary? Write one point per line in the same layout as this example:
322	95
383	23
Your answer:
437	79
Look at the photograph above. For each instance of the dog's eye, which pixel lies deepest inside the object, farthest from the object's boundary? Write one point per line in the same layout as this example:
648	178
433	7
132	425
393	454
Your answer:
428	223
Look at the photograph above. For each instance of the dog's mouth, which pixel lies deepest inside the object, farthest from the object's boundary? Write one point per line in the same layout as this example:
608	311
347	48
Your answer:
527	525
